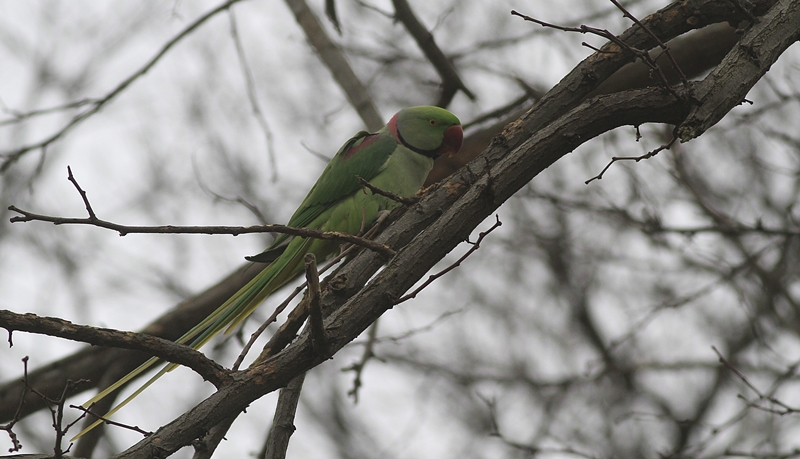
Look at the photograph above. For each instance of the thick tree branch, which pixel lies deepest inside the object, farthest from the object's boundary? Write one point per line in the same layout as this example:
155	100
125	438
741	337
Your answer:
153	346
283	422
757	50
89	366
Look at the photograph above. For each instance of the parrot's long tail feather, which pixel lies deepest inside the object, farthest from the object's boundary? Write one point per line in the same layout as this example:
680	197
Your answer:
116	385
230	314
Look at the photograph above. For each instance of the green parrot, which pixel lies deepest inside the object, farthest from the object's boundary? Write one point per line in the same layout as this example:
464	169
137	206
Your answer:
396	159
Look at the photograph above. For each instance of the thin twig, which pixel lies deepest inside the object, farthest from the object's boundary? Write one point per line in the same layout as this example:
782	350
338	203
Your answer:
451	81
785	409
647	155
58	420
251	95
105	420
604	33
661	44
280	339
475	246
656	227
8	427
71	178
409	333
366	356
57	413
288	330
12	156
123	230
272	318
18	117
394	197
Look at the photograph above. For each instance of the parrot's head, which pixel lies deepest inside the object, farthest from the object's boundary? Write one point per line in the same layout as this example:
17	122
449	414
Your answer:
427	130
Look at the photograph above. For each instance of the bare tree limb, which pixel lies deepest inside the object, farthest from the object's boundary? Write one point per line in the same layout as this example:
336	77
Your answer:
17	116
154	346
758	49
647	155
358	367
610	71
783	408
124	230
171	229
451	82
475	246
88	367
333	58
640	54
283	421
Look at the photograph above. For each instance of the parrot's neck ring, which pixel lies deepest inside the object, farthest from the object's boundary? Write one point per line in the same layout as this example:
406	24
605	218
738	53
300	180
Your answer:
433	154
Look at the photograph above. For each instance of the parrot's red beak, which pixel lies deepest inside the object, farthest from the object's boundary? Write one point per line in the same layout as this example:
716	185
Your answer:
453	137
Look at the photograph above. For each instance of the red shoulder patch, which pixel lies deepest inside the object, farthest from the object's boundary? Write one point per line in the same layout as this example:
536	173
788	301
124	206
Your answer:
392	125
362	143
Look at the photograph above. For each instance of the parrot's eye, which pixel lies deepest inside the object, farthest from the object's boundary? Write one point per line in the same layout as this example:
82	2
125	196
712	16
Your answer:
432	122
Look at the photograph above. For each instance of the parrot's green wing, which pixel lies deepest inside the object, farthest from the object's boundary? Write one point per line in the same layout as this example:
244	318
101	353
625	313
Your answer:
363	156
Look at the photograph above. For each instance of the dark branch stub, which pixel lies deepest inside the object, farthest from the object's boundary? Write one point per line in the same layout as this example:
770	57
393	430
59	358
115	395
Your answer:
85	198
319	340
